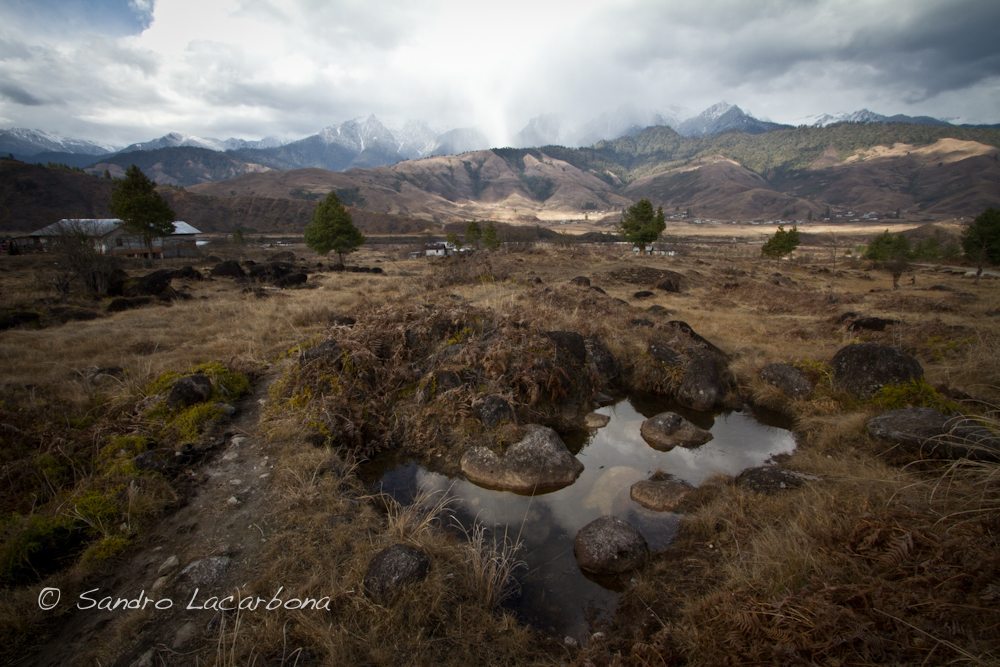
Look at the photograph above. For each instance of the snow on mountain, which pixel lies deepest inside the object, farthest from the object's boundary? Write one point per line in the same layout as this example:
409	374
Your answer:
175	139
27	142
867	116
415	139
724	117
626	120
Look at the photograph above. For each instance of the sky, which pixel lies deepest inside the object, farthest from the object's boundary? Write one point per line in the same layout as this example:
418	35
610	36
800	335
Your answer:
121	71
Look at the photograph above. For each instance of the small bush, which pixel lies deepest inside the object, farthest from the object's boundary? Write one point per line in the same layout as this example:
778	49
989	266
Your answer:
37	545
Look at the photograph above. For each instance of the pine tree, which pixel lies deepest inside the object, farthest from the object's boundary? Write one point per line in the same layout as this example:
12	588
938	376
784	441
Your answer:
890	252
782	243
490	240
143	211
473	234
640	225
981	240
332	229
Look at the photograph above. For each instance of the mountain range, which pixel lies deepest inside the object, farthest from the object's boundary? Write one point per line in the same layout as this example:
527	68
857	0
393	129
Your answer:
179	159
840	170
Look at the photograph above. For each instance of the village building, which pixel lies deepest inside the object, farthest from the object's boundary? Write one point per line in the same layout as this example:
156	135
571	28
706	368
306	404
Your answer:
110	238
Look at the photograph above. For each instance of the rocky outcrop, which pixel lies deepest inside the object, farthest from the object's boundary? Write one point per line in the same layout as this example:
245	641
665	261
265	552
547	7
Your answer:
700	370
608	545
538	462
228	269
932	434
392	569
864	368
788	379
668	430
660	493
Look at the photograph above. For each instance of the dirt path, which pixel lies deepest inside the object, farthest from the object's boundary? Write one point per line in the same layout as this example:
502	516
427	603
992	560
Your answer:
206	549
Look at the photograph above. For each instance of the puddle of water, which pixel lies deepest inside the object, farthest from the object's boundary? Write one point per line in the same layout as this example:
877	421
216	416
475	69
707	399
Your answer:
555	595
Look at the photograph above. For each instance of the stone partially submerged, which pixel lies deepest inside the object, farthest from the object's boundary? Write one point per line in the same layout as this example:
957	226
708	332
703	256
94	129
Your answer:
608	545
538	462
668	430
660	493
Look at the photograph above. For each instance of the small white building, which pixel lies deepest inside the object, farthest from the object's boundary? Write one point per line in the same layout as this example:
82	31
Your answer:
110	238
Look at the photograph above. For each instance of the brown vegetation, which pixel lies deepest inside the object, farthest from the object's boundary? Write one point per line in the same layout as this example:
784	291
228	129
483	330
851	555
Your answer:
881	559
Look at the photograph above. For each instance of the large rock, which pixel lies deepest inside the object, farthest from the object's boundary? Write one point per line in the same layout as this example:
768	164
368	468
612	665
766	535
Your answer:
661	493
228	269
601	361
668	430
930	433
538	462
705	382
189	390
864	368
671	282
156	283
608	545
393	568
790	380
494	410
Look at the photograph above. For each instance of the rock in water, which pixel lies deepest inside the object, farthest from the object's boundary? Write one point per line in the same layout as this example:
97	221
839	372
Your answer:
660	494
608	545
668	430
393	568
538	462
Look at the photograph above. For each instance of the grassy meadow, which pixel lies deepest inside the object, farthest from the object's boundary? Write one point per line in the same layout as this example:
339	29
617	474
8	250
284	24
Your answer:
880	559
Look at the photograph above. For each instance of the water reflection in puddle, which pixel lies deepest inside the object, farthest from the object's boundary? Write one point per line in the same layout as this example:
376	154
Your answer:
555	595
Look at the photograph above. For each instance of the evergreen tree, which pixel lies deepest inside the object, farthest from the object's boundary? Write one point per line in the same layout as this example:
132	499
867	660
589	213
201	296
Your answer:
640	225
981	240
782	243
473	234
490	240
143	211
890	252
332	229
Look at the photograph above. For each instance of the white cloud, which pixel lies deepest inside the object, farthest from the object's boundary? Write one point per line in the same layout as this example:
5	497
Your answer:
258	67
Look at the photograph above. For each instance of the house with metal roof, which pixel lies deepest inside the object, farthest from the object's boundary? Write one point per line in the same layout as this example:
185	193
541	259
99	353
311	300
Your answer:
110	238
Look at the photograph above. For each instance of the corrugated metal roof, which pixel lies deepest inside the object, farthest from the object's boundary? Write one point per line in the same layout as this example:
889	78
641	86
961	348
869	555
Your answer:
89	226
99	227
181	227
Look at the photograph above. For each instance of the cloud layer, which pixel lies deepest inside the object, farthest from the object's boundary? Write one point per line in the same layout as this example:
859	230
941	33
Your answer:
127	70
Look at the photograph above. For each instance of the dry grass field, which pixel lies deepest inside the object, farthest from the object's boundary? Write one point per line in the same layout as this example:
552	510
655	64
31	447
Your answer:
882	558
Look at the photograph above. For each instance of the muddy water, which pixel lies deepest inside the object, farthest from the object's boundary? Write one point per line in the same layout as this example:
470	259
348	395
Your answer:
555	595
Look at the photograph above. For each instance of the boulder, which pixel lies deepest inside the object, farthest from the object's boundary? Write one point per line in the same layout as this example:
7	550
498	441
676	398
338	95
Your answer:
608	545
228	269
393	568
668	430
601	361
190	390
582	281
663	353
930	433
790	380
660	493
596	420
188	273
705	382
864	368
156	283
671	282
643	294
538	462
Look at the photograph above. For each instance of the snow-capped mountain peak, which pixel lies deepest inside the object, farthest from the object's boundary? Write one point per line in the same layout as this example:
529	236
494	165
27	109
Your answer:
24	141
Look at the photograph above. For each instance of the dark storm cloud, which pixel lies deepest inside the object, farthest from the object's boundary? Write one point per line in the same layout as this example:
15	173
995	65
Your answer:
19	95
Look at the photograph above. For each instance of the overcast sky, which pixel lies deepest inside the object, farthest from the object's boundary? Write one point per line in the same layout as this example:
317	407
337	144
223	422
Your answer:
129	70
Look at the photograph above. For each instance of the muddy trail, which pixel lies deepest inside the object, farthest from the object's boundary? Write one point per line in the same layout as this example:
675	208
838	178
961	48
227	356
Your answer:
206	549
